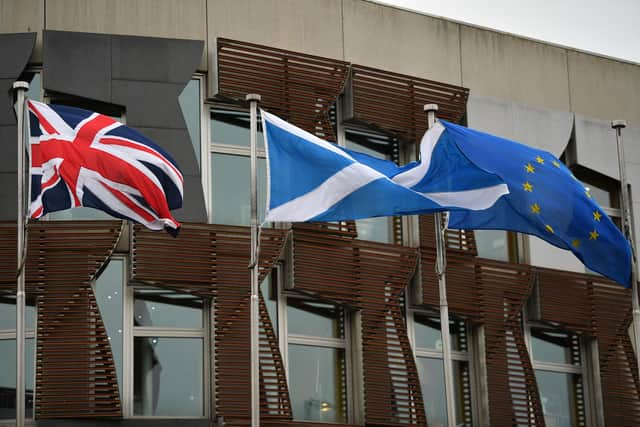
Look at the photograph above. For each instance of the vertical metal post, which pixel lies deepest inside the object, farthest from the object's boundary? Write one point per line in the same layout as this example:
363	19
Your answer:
20	88
254	327
441	266
618	125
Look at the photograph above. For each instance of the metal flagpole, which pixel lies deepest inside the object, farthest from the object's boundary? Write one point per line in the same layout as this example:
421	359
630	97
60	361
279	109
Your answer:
441	266
255	362
618	125
20	88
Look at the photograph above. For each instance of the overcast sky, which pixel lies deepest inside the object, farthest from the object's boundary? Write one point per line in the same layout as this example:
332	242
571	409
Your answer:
607	27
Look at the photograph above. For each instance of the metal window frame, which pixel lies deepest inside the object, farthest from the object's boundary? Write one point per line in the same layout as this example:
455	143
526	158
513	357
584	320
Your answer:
478	400
592	402
130	332
354	406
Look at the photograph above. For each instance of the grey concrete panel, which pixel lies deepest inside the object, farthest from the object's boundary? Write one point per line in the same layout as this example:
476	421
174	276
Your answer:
193	209
537	127
78	64
8	159
154	59
596	146
15	50
149	104
507	67
19	16
604	88
7	115
8	196
404	42
176	19
631	139
176	142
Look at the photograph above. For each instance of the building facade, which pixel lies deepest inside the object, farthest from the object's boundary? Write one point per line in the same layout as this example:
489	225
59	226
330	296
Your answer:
130	327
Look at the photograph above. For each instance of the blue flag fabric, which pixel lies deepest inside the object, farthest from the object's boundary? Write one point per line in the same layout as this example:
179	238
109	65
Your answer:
544	200
313	180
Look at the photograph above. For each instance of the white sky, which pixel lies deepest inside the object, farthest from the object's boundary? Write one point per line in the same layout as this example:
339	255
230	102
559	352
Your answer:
606	27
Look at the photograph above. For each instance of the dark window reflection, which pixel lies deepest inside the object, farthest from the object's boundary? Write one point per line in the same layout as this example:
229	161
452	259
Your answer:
427	332
8	377
315	319
166	308
168	376
190	104
559	394
555	346
232	128
317	383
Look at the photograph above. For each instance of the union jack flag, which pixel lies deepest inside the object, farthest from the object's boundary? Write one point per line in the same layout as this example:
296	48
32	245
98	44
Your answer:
82	158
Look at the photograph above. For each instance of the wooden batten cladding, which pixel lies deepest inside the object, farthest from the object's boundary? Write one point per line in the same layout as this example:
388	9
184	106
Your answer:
492	294
395	102
299	88
75	373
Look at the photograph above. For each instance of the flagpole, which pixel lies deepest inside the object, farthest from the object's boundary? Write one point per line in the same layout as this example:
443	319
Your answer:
20	88
255	362
441	266
618	125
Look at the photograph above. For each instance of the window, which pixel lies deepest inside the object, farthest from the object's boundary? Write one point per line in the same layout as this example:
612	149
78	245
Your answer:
230	168
427	341
160	341
8	356
381	146
496	244
557	361
315	344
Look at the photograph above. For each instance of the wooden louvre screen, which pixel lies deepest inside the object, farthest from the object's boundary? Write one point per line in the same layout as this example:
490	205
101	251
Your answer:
75	372
215	263
395	102
601	309
298	87
370	277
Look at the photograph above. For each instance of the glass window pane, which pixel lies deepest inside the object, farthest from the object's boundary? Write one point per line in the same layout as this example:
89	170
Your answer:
555	346
80	213
270	295
315	319
431	373
232	128
8	313
427	331
559	396
492	244
231	189
108	290
375	229
168	376
317	383
190	104
8	377
35	88
166	308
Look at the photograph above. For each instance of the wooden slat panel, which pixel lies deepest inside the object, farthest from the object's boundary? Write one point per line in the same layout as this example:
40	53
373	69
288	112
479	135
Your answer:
299	88
394	102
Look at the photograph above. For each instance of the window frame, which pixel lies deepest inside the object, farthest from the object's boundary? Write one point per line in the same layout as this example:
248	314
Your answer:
456	355
353	368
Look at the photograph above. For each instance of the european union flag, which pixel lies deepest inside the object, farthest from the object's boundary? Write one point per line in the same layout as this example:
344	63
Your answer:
544	200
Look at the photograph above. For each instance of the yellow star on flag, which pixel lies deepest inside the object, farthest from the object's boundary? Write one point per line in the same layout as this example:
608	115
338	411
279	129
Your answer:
597	215
575	243
529	168
549	228
540	160
556	164
594	235
535	208
528	187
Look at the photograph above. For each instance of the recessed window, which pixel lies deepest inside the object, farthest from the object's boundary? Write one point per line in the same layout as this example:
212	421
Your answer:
429	358
558	367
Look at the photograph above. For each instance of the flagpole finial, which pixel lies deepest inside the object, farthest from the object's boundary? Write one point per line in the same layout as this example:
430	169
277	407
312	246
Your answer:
21	85
430	107
253	97
618	124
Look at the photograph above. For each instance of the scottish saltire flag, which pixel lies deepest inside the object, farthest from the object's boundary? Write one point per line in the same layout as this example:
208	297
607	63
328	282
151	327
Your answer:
544	200
313	180
82	158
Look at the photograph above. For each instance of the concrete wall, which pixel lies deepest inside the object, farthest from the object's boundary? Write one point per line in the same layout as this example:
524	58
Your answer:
24	16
